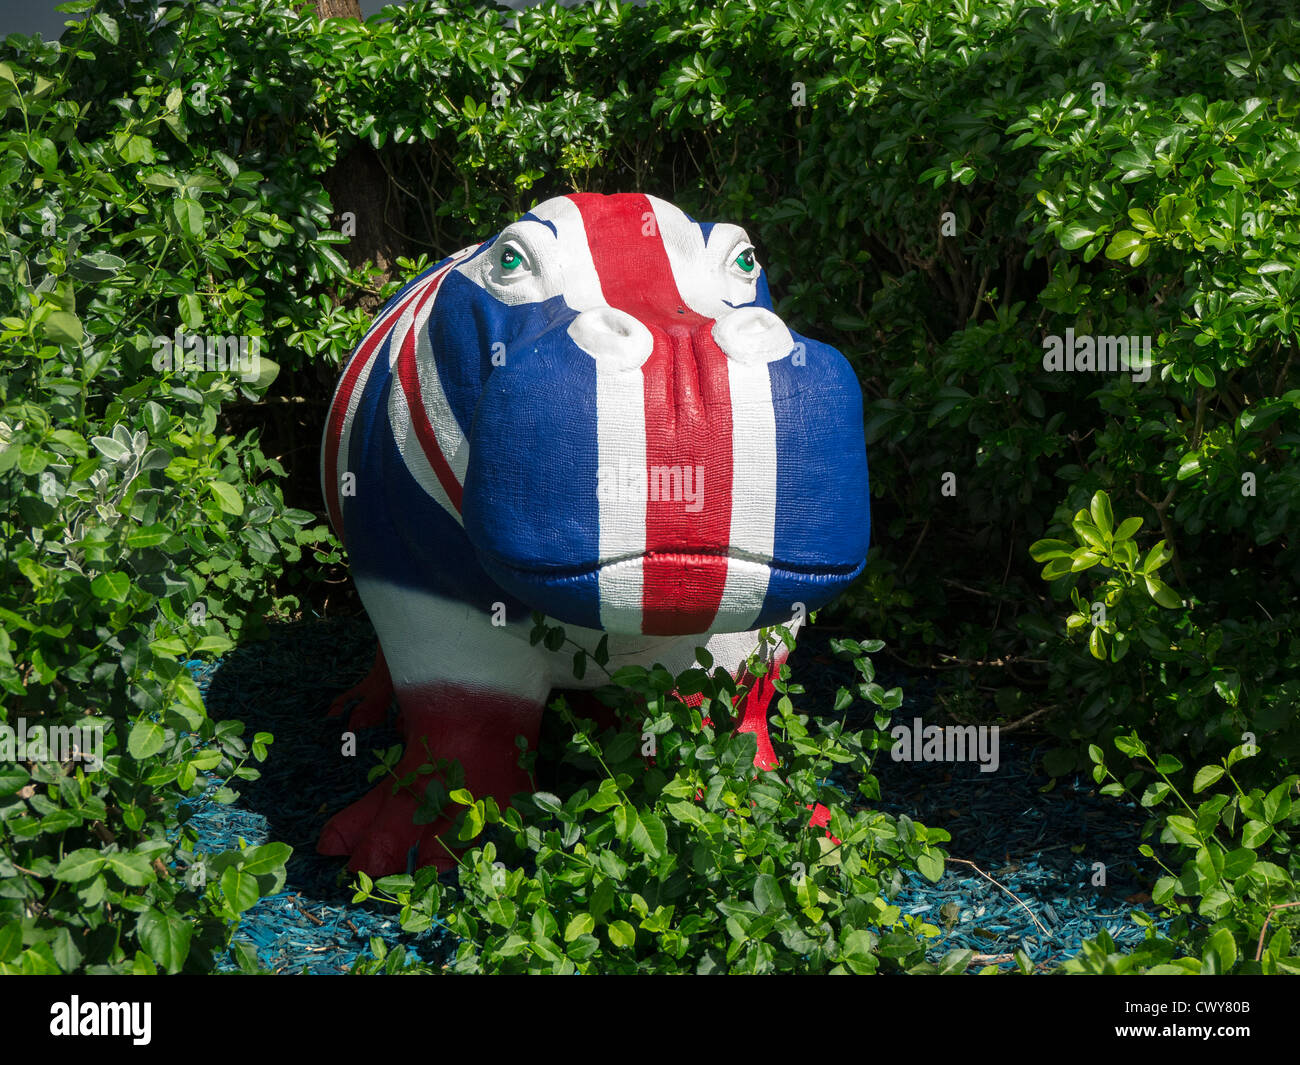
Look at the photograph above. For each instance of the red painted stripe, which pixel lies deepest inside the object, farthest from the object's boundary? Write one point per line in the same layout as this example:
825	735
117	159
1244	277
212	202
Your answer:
342	399
409	377
687	414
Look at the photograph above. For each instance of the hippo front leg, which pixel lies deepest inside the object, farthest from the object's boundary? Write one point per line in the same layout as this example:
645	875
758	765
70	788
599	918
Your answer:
375	694
440	721
465	689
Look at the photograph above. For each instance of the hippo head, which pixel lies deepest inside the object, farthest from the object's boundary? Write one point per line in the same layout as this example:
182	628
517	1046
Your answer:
652	450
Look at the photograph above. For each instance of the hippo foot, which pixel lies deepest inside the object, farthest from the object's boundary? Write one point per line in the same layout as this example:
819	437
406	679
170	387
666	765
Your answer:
442	722
375	694
378	833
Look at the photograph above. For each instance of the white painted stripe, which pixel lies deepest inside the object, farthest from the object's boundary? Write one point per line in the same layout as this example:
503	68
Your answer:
703	273
429	639
621	499
354	401
380	324
446	429
358	390
399	413
753	494
581	284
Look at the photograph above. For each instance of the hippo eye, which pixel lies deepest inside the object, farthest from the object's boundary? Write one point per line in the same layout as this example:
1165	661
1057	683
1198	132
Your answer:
746	261
511	259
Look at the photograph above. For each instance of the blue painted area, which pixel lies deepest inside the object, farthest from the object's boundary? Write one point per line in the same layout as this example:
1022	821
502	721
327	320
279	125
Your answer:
531	505
823	508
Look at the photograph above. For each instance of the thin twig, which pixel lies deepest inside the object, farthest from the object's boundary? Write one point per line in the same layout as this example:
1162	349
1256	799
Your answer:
963	861
310	916
916	546
1027	718
1011	546
1259	950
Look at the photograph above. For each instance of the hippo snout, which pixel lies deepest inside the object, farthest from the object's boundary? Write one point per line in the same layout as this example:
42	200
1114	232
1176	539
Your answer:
654	450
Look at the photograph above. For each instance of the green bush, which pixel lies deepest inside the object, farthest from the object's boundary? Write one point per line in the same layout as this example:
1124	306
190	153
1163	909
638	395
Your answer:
1231	872
137	533
692	861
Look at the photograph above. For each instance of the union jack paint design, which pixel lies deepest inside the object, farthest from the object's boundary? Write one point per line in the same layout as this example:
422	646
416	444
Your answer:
595	414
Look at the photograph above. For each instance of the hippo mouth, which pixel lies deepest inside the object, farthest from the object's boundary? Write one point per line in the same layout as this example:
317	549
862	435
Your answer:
734	558
675	592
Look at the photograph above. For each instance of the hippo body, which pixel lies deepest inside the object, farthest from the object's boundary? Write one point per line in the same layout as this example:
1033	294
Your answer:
596	415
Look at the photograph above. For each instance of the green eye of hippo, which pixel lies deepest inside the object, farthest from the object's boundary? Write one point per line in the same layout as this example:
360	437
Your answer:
745	260
511	259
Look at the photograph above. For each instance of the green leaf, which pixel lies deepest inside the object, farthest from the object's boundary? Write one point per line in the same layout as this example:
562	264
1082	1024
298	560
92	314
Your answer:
1042	550
42	152
64	327
1224	948
1131	746
649	835
930	864
132	869
1238	863
1124	243
111	586
105	26
1205	776
11	940
1097	644
622	934
1156	557
767	893
545	801
1162	593
1127	528
80	865
146	739
1076	236
166	936
474	822
268	858
148	536
1101	512
189	216
579	925
240	888
227	497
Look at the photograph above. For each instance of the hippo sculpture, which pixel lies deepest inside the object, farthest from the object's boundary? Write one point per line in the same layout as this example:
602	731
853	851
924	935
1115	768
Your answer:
597	415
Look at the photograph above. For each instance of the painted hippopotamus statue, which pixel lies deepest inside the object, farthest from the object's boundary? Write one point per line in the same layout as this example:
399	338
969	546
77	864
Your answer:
596	415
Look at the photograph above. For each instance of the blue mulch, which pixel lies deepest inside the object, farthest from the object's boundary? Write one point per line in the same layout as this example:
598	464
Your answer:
284	686
1041	846
1038	841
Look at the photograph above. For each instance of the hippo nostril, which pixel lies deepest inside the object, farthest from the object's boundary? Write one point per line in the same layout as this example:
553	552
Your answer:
753	336
614	338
